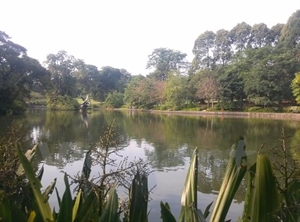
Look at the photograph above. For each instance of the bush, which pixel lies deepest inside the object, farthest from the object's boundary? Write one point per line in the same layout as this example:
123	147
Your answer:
190	105
62	103
163	107
166	106
176	108
18	106
114	100
293	109
230	105
260	109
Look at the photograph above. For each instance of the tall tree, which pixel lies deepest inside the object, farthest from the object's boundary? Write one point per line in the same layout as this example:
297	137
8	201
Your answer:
275	33
144	92
91	81
203	50
208	87
232	86
260	35
112	79
134	92
19	74
290	34
269	75
223	50
176	90
240	36
164	61
87	79
62	69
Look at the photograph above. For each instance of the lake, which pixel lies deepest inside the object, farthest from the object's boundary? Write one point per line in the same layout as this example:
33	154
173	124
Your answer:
166	141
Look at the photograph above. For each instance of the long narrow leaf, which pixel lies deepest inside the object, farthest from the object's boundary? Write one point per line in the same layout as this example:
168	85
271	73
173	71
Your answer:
166	214
65	212
110	213
77	204
206	212
87	164
88	209
234	173
262	198
58	197
138	199
43	205
189	210
5	210
40	173
29	155
49	189
31	216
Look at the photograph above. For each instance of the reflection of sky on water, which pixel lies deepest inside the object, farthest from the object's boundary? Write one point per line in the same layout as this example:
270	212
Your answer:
167	181
38	133
60	154
52	172
166	142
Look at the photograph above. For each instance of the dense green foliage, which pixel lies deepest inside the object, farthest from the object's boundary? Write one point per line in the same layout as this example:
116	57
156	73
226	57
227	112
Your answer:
114	99
19	74
58	102
245	65
296	87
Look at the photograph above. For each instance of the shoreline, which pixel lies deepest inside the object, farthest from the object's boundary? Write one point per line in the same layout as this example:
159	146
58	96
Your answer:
266	115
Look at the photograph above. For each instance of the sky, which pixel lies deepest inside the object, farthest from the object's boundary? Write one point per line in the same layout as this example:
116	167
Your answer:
122	33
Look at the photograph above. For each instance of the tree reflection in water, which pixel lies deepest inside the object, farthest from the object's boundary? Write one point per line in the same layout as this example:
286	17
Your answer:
166	141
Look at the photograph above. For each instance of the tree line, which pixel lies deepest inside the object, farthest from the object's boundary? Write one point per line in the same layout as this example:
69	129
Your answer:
253	64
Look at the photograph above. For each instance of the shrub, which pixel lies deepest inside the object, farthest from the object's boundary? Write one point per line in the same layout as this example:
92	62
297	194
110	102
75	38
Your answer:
258	109
62	102
293	109
114	100
230	105
176	108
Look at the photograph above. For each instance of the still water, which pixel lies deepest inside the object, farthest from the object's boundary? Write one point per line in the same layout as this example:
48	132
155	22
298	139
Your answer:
166	141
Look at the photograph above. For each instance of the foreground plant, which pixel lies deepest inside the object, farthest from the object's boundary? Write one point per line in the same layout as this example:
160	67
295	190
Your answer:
189	209
287	170
10	183
96	200
234	173
262	197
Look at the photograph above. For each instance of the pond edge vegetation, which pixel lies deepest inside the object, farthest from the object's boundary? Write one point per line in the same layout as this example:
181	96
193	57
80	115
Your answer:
247	68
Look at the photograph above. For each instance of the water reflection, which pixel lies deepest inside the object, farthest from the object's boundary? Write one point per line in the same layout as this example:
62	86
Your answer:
166	141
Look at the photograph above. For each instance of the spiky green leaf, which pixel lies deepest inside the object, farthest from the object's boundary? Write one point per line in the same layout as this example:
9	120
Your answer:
234	173
89	208
166	214
65	212
29	155
138	199
189	211
43	205
262	198
77	204
49	189
110	213
206	212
